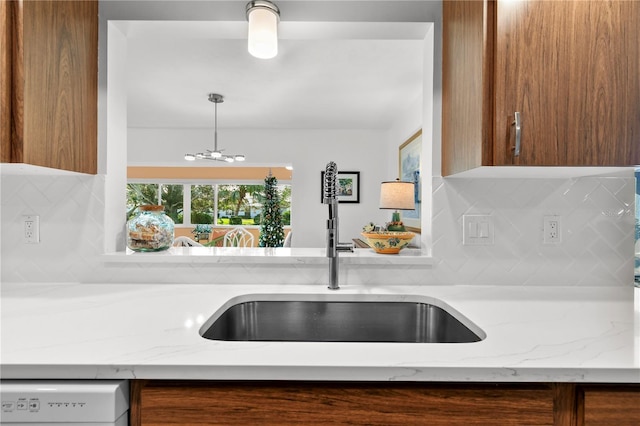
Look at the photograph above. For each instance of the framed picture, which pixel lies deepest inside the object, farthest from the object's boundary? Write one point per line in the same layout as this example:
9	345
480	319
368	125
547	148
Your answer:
409	171
348	187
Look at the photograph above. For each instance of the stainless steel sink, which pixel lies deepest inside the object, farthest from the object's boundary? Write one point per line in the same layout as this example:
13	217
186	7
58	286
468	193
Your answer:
335	320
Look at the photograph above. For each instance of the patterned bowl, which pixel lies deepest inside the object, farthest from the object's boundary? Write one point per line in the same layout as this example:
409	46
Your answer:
388	242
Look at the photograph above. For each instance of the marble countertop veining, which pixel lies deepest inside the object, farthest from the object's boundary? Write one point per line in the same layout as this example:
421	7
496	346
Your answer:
148	331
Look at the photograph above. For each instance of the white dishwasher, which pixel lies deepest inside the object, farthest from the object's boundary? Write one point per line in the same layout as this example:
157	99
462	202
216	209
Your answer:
64	402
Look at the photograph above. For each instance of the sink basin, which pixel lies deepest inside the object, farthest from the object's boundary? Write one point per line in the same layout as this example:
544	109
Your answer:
298	319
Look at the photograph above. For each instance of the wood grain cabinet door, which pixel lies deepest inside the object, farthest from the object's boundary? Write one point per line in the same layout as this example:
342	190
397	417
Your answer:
572	71
467	85
611	405
162	403
50	62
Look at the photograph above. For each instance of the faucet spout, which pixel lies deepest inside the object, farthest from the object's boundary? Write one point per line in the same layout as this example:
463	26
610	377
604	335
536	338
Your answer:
330	189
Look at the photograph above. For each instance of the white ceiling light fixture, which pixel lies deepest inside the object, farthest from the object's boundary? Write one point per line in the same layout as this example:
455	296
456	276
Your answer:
263	17
216	154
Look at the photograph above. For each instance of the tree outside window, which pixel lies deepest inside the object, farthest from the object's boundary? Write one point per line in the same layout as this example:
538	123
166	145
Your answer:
239	204
139	194
173	201
202	204
285	203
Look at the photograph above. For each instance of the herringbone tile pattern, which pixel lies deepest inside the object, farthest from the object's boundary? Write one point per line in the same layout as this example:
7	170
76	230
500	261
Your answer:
597	236
597	231
71	210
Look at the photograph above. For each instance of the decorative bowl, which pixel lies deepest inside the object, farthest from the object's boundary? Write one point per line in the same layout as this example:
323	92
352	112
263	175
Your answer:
388	242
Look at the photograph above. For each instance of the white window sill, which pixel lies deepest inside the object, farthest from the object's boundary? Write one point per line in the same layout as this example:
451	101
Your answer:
280	255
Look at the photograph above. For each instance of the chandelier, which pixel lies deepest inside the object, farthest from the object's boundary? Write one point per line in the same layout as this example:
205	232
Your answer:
216	154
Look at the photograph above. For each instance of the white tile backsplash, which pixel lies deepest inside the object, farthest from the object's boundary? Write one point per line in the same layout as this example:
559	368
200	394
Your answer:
597	231
597	237
71	214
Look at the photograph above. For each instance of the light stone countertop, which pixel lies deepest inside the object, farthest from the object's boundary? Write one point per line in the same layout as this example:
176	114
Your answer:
148	331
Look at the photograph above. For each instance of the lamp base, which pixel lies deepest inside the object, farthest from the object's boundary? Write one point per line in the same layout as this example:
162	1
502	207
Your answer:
395	224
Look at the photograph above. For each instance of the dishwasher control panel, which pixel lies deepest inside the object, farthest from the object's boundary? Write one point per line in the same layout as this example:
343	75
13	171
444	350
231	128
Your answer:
64	401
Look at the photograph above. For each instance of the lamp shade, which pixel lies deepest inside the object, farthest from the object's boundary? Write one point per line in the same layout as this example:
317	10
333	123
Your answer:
397	195
263	19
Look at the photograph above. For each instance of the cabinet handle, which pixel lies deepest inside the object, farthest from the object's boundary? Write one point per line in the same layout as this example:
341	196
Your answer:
517	122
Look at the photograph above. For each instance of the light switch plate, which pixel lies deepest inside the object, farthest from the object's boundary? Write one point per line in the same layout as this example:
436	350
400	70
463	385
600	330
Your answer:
477	230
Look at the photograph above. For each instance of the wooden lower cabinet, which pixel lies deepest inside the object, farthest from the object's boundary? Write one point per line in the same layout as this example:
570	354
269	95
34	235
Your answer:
608	405
287	403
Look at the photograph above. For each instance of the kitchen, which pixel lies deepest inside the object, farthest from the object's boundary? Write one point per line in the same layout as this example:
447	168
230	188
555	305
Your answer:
515	278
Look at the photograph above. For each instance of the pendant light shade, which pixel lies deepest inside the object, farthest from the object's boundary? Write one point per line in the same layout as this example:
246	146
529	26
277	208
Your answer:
263	17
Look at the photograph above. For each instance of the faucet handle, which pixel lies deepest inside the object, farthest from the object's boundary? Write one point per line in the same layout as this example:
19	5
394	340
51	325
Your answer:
330	186
345	247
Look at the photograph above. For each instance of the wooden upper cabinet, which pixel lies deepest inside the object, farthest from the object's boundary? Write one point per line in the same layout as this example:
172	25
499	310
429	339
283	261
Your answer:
467	86
5	83
571	69
53	66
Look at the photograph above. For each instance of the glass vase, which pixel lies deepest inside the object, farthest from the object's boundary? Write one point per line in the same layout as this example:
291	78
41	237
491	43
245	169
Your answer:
150	229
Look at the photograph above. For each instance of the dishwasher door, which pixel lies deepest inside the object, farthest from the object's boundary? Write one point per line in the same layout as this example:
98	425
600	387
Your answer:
68	402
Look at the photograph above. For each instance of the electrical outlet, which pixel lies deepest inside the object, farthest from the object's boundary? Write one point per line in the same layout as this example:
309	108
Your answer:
552	230
31	229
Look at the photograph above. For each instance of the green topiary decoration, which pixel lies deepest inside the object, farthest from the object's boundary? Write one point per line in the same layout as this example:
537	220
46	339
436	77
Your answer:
271	229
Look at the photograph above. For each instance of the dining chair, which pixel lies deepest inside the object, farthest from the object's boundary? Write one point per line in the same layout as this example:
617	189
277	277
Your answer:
238	237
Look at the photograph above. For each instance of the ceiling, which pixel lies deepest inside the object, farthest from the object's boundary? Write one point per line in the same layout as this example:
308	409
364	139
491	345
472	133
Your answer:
327	75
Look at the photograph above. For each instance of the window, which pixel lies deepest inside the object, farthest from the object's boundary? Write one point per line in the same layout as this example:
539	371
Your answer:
239	204
168	195
202	204
139	194
194	203
172	198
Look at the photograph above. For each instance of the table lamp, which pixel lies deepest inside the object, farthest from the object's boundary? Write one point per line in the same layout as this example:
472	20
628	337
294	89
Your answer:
397	195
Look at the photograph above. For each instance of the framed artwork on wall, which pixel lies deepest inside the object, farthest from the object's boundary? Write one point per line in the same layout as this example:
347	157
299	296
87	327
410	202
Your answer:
348	187
409	171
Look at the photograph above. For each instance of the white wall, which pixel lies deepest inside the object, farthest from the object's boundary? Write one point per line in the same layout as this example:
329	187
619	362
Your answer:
113	142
